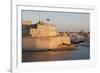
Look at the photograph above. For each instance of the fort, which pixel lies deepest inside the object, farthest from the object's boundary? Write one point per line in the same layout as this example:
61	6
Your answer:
42	36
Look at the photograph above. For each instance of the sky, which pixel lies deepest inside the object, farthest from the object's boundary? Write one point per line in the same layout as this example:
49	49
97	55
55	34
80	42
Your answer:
64	21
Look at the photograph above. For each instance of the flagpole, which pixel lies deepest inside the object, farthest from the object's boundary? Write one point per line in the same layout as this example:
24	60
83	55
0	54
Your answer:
39	17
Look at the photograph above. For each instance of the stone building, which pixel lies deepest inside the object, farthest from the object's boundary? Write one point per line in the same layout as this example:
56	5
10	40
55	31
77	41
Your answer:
26	22
43	29
43	35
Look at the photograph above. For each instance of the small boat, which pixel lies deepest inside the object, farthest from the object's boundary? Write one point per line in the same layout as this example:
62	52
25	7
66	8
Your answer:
85	44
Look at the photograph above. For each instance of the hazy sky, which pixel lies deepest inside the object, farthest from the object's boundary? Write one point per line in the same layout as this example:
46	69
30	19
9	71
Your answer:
64	21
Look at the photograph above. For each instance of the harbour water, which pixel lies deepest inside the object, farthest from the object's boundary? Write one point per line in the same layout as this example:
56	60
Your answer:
81	52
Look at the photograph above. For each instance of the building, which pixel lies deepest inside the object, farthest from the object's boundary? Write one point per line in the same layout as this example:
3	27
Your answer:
26	22
43	29
43	35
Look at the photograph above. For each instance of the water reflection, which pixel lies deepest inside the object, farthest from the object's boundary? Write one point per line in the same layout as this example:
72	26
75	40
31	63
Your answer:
82	52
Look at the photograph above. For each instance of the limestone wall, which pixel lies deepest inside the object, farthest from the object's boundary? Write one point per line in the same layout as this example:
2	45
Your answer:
64	39
43	30
26	22
58	40
41	43
28	43
33	32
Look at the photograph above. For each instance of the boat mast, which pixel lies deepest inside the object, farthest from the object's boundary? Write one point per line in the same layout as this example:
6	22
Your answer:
82	29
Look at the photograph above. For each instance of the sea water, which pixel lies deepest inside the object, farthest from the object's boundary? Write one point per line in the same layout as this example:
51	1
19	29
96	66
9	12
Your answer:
80	53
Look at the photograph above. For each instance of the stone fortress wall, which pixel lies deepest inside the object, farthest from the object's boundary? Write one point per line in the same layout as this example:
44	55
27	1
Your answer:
44	42
44	36
43	30
26	22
